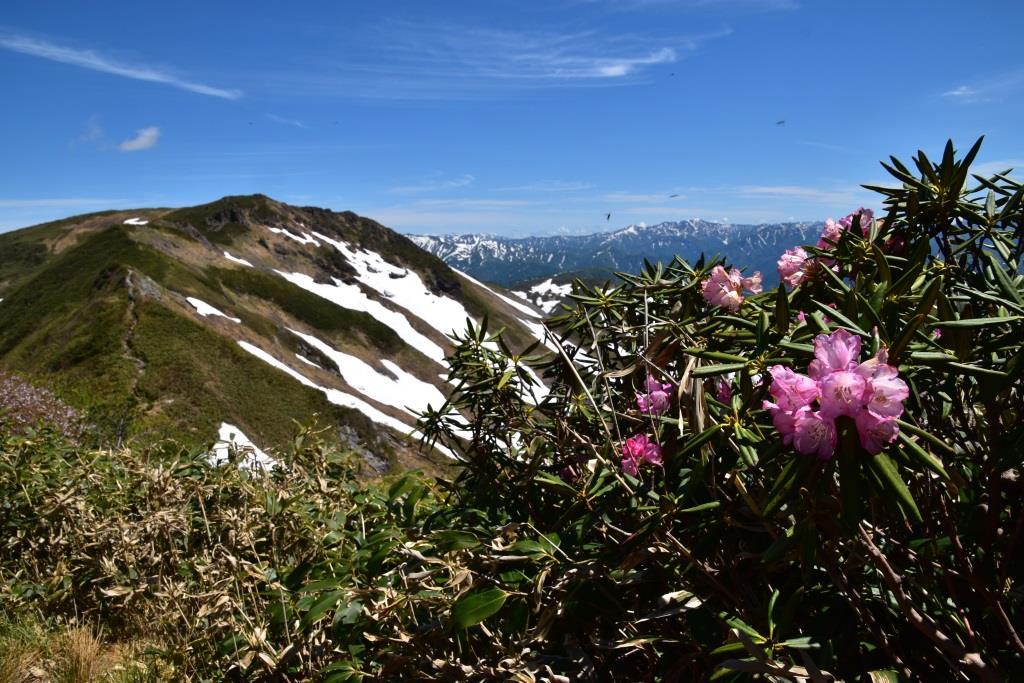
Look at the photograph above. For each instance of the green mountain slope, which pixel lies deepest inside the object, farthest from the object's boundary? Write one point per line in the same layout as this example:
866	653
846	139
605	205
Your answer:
246	312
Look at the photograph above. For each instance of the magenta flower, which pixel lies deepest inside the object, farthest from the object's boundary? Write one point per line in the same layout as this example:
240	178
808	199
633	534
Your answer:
814	434
723	390
842	393
795	266
834	352
792	390
656	398
725	288
638	450
875	431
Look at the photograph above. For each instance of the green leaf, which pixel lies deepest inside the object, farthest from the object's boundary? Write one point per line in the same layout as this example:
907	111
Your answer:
976	322
554	482
326	602
913	450
781	310
474	607
886	470
711	370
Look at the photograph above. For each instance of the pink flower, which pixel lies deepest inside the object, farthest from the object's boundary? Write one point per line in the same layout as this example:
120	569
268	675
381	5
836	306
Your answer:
795	266
784	420
637	450
792	390
870	392
814	434
842	393
656	398
865	218
725	288
834	352
875	432
886	392
801	316
830	234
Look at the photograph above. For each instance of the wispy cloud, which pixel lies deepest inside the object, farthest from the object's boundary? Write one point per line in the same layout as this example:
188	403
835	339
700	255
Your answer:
629	197
837	196
286	122
145	138
88	59
548	186
988	89
990	168
473	202
437	61
730	5
57	202
827	146
93	132
435	185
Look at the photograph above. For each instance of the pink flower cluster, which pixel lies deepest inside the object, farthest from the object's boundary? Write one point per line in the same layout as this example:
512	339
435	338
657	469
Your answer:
870	392
725	288
638	450
797	266
656	397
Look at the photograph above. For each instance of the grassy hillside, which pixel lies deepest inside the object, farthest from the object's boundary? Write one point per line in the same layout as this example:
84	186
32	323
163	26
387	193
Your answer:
98	310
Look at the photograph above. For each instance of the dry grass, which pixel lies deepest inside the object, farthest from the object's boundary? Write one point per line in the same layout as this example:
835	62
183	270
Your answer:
75	654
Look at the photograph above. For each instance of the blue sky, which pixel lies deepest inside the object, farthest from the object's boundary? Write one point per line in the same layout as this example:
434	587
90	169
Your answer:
506	117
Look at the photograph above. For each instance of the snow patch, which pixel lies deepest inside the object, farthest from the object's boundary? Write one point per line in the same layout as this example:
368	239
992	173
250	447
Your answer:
307	361
404	391
136	221
511	302
235	259
231	438
339	398
204	309
353	298
305	238
402	287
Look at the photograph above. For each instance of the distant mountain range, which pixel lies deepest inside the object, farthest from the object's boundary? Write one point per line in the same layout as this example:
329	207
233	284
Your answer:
511	262
236	318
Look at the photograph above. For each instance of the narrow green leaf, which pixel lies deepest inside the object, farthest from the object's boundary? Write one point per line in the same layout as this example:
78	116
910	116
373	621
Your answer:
886	470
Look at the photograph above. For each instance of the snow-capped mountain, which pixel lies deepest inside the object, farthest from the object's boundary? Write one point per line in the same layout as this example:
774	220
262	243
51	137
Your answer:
232	319
509	261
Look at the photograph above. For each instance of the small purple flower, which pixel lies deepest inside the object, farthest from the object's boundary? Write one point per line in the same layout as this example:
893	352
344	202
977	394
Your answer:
656	398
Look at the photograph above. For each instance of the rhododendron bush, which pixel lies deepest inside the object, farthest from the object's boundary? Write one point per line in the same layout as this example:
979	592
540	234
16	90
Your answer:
818	481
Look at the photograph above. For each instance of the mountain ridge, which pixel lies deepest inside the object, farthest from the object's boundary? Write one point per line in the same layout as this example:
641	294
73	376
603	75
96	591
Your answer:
511	261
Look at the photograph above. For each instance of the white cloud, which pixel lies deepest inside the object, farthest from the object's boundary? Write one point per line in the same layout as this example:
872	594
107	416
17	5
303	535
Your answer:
145	138
988	89
840	196
87	59
641	198
435	185
287	122
990	168
58	202
93	131
962	91
445	61
548	186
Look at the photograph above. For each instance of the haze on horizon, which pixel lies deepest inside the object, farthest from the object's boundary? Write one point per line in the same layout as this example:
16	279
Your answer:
512	118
